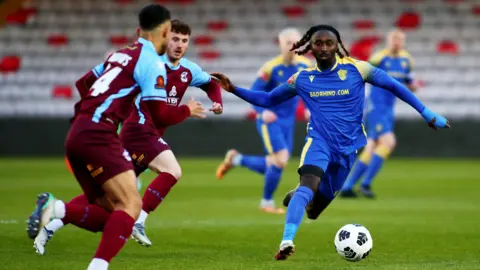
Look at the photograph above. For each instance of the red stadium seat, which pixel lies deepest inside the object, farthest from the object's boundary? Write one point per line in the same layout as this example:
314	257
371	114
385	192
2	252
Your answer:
57	40
408	21
21	16
363	48
293	11
210	55
448	47
217	25
363	24
251	114
119	40
62	91
10	63
476	10
203	40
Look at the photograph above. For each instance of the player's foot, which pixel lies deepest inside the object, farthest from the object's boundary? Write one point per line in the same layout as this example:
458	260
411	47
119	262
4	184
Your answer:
44	212
138	233
348	194
268	206
287	248
226	165
41	240
367	192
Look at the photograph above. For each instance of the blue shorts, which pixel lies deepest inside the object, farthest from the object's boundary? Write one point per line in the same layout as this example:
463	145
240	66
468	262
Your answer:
336	166
276	136
379	122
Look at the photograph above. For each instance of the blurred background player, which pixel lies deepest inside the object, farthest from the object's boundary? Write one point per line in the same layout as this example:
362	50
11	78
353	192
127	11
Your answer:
144	140
275	124
398	63
101	165
334	92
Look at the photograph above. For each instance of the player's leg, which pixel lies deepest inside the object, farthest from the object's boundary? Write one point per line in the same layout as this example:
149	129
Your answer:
359	169
277	139
235	159
313	163
386	145
47	232
169	172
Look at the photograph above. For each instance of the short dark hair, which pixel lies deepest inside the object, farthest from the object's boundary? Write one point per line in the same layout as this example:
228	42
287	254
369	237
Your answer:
152	16
181	27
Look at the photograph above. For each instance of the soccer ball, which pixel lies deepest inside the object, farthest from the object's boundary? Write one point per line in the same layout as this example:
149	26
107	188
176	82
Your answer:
353	242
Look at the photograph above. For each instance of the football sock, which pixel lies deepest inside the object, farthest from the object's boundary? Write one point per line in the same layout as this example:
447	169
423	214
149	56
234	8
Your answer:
272	178
254	163
98	264
142	217
54	225
59	209
90	217
157	191
115	234
81	200
295	211
358	170
381	153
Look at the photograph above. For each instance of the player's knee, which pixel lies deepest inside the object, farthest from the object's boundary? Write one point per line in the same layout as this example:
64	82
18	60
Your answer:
310	176
175	171
388	140
280	159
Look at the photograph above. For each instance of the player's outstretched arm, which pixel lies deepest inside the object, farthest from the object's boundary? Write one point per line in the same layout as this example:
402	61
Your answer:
214	93
278	95
381	79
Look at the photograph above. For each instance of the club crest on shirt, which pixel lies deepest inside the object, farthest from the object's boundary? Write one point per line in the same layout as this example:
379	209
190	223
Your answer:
280	73
183	77
342	74
404	64
311	77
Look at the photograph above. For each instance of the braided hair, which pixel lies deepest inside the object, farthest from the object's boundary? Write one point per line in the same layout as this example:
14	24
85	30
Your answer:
308	35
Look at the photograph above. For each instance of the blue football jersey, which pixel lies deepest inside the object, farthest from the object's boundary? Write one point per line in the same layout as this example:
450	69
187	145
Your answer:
272	74
399	67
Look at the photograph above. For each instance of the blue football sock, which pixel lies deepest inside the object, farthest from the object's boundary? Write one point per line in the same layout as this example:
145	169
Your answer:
295	211
272	178
254	163
355	175
373	169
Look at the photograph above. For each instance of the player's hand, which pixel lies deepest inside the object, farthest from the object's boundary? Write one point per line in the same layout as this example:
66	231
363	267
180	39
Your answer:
196	109
307	115
216	108
268	117
224	81
434	120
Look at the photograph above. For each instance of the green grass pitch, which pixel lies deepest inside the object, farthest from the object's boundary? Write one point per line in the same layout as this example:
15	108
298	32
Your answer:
426	217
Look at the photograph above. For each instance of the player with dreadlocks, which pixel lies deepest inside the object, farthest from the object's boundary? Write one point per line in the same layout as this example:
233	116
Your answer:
334	93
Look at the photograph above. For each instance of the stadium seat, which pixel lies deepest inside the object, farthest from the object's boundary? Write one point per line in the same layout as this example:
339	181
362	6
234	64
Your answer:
9	64
408	21
123	2
447	47
120	40
307	1
57	40
363	24
476	10
209	55
293	11
217	25
21	16
62	91
363	48
203	40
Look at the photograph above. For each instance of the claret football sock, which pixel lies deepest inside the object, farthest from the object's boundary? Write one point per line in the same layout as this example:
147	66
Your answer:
90	217
157	191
